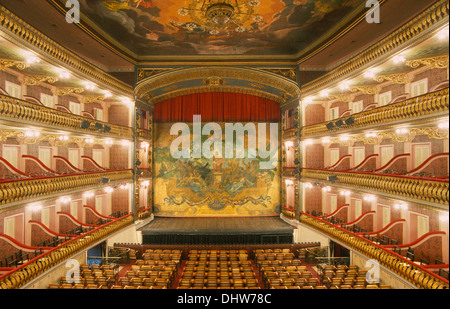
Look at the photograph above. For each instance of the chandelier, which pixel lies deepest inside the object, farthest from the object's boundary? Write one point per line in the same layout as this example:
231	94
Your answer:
222	16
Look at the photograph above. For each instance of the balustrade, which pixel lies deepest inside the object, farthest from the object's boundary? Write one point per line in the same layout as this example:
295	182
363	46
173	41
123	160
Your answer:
419	276
17	190
37	266
20	110
435	191
428	104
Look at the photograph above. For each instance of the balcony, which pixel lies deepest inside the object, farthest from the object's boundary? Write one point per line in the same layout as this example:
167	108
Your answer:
16	190
412	272
20	276
26	112
424	189
430	104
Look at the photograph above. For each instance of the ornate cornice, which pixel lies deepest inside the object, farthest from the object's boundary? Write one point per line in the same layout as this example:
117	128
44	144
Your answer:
439	62
411	30
250	81
19	29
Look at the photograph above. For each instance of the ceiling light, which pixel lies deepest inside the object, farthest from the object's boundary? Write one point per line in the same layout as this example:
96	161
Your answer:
326	140
345	193
109	190
34	208
308	185
443	125
108	94
88	194
31	58
307	100
127	101
32	134
344	85
326	189
218	17
89	86
63	74
399	59
324	93
370	73
369	198
402	131
65	200
443	34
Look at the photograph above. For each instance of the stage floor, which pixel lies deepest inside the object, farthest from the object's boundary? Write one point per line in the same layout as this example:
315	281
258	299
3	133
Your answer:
163	230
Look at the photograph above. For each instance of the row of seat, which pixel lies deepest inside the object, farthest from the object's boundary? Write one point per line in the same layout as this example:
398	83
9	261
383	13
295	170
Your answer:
217	283
90	277
291	282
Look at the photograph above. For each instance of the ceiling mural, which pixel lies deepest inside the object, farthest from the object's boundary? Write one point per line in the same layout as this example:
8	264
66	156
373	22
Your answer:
217	27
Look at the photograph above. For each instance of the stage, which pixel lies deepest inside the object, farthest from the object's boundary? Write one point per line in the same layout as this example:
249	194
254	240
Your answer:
205	230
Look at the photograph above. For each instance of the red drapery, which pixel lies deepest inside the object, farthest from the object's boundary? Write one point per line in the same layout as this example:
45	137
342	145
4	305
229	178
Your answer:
218	107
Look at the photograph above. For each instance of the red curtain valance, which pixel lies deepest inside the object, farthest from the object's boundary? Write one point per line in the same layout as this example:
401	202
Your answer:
218	107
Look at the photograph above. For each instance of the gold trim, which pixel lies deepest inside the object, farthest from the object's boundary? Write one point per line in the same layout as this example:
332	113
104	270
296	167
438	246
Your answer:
411	30
146	88
20	29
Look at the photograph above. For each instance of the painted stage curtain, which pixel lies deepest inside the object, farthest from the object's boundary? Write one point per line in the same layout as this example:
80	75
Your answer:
218	107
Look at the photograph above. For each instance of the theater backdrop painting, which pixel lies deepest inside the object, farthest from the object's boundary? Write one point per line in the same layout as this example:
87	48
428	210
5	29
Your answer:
216	186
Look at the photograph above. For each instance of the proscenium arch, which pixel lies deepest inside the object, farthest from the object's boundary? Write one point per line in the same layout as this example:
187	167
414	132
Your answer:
160	84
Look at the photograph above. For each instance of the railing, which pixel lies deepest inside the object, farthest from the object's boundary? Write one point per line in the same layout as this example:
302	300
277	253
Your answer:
25	273
416	274
427	104
21	110
28	188
425	189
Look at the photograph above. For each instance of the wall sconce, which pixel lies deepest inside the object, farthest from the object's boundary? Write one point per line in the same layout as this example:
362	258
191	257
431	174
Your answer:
289	182
65	200
289	144
35	207
88	194
308	185
369	198
109	190
401	206
345	193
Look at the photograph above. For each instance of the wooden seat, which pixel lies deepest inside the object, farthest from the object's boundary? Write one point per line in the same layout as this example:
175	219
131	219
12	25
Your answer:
148	281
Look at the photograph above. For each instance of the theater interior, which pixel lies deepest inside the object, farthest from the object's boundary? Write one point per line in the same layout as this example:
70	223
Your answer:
224	144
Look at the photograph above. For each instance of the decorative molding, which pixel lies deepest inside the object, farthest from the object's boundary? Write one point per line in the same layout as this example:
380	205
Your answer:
341	97
288	73
145	73
365	89
88	99
439	62
68	90
6	63
275	86
407	33
400	78
20	30
214	81
31	80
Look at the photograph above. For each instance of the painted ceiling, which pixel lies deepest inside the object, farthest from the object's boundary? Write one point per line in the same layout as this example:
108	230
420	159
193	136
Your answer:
168	27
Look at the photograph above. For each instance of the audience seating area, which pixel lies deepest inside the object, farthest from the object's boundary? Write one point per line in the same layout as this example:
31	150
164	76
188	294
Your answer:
216	269
219	269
